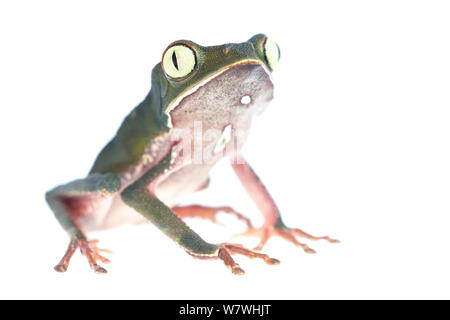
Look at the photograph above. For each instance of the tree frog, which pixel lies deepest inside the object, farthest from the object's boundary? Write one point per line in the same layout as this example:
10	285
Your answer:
198	111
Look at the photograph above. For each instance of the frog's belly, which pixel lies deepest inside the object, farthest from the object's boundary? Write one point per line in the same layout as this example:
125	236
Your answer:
119	214
190	178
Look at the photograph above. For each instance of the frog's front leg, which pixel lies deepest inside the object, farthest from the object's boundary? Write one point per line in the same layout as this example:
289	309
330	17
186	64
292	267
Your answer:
140	196
75	202
273	224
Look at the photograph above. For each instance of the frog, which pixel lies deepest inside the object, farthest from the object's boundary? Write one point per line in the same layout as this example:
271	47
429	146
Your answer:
199	110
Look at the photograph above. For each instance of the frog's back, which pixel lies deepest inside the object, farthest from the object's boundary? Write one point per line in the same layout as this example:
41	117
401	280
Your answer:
143	125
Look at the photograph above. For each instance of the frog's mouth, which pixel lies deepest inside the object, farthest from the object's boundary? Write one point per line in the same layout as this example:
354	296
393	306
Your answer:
189	91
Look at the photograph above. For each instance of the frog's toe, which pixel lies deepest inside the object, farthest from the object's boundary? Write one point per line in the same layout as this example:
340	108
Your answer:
227	249
303	234
289	234
96	251
64	263
92	253
87	248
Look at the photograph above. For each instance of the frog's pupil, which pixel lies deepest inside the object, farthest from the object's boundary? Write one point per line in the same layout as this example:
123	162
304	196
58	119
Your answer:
174	60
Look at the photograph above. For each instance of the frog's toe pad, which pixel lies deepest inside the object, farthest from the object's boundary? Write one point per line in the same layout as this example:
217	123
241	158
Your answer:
60	268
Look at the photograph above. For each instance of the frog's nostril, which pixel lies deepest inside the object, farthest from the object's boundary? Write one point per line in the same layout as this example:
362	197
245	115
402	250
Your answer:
246	99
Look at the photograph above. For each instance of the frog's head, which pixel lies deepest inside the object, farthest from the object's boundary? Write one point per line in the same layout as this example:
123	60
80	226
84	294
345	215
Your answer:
186	66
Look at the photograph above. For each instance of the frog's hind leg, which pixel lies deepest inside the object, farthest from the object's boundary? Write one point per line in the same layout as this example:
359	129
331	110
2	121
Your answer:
209	213
73	204
273	225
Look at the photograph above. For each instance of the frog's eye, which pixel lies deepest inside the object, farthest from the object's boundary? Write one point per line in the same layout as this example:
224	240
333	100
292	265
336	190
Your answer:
179	60
271	52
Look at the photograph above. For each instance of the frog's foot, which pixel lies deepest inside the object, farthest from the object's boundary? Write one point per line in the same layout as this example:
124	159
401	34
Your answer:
289	234
227	249
209	213
87	248
224	251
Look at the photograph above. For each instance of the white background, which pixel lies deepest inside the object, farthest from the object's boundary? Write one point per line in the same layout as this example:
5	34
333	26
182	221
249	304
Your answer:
355	145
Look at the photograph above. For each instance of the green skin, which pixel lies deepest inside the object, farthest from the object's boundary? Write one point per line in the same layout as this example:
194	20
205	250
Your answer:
151	120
